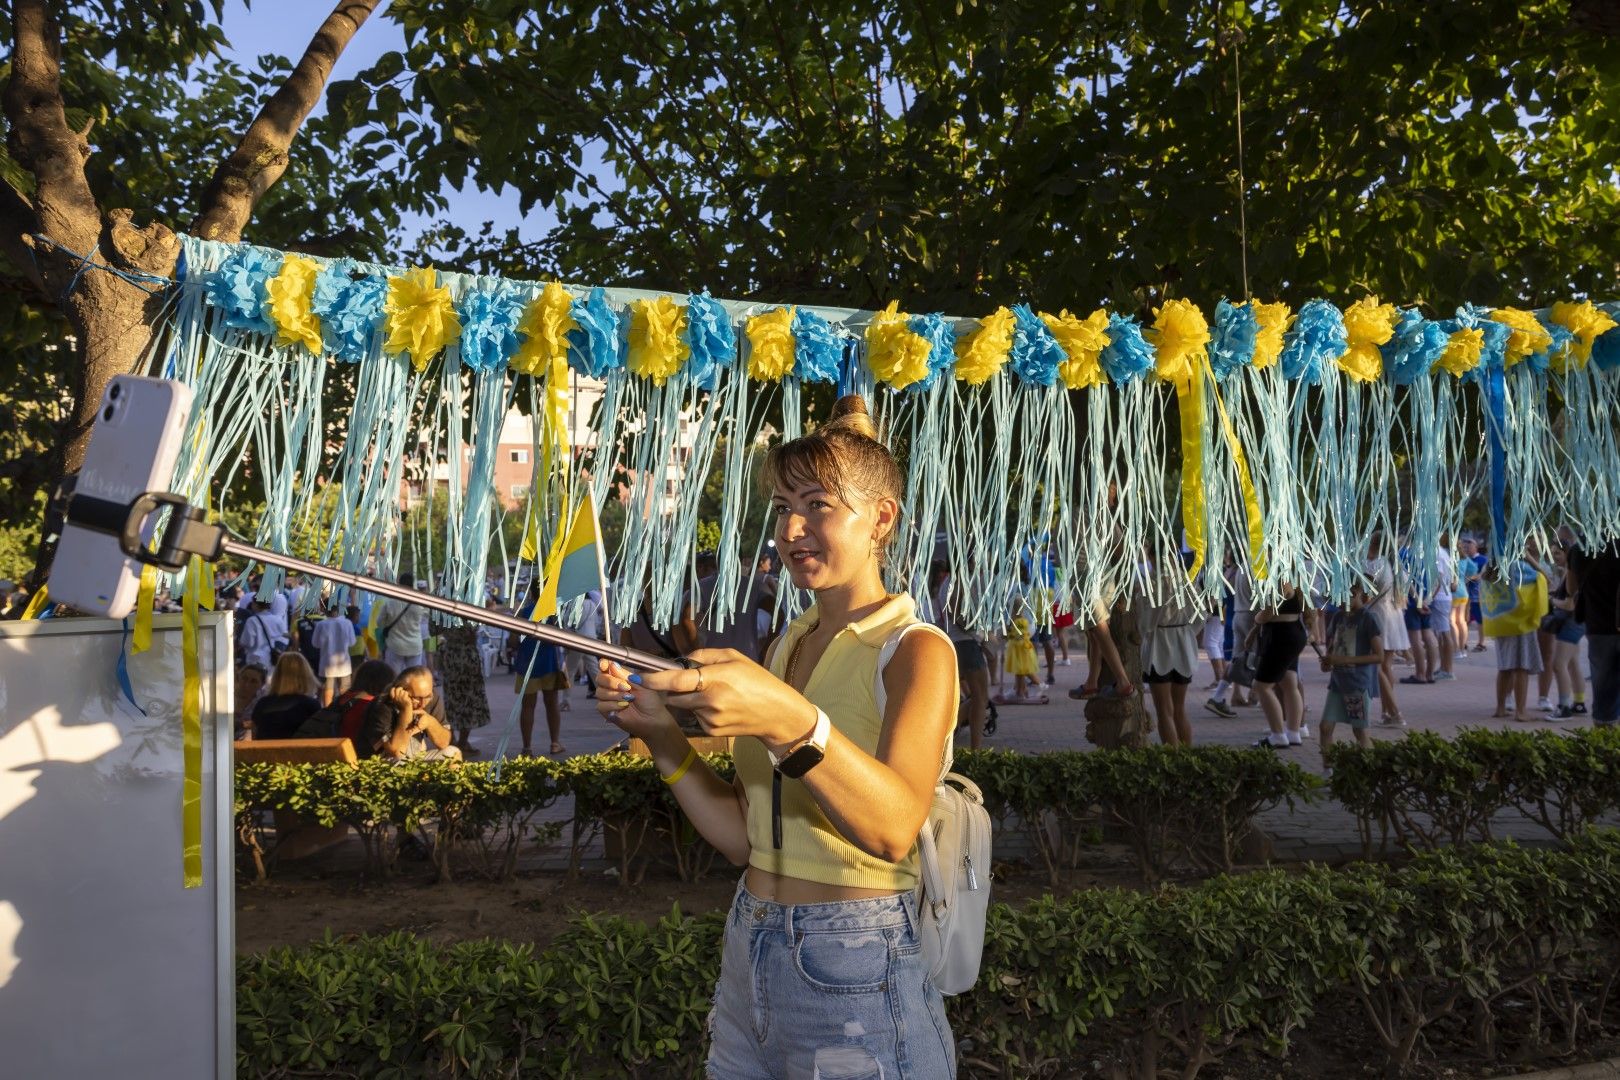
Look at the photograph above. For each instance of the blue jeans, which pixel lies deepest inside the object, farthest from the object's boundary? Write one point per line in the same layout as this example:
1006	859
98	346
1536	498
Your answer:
841	979
1604	652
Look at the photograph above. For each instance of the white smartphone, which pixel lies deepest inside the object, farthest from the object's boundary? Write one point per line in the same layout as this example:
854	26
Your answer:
133	449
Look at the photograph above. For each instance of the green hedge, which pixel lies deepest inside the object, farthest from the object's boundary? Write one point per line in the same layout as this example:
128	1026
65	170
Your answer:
1423	790
1491	943
1175	806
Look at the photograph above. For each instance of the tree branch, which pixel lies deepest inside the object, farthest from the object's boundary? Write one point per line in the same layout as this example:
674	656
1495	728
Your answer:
40	140
261	157
18	220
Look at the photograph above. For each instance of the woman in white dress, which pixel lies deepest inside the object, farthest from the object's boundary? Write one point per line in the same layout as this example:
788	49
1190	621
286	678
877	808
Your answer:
1387	595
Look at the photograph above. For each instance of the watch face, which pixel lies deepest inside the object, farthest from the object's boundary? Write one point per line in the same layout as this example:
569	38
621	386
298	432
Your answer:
800	761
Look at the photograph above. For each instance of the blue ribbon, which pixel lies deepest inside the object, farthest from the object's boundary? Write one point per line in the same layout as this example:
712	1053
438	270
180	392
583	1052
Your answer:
122	669
1496	407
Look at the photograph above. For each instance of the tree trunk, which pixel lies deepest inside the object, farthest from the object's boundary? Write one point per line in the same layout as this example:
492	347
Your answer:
1113	722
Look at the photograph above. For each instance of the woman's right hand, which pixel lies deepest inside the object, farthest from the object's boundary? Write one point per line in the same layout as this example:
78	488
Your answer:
635	710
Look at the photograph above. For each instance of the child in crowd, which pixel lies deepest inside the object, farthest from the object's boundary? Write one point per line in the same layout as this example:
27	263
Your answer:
1355	649
1021	665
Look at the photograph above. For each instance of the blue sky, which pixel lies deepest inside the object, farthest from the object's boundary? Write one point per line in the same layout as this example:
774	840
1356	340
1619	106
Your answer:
284	27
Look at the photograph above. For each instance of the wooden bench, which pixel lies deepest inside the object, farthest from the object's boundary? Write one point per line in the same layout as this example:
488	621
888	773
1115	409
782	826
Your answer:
296	836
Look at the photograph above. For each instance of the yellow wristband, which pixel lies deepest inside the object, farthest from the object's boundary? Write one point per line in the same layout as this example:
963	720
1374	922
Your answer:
691	756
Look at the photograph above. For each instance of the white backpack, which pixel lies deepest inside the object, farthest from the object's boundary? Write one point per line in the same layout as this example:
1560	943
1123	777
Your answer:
953	888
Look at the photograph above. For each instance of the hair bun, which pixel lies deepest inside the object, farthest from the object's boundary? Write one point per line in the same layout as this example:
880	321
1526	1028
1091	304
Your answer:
850	414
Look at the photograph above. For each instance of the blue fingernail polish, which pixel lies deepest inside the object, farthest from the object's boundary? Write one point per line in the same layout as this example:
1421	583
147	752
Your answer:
635	677
627	697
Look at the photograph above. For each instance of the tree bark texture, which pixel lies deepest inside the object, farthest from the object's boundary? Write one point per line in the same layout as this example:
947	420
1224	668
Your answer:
91	264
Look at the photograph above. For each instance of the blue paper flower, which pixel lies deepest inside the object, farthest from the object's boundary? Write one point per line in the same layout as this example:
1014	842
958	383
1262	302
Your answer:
1231	343
942	346
1316	340
489	317
1606	350
350	310
1417	344
597	347
1128	355
237	289
1562	336
818	349
1036	353
712	338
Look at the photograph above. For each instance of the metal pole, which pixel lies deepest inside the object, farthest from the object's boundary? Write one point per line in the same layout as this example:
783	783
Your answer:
631	658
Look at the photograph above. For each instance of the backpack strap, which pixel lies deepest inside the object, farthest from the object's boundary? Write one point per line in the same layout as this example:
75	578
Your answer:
881	693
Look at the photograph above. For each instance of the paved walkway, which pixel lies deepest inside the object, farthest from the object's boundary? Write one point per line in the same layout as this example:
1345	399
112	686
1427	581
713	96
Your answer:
1324	831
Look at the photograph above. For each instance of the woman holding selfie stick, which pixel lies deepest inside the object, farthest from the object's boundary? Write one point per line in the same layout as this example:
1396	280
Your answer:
822	966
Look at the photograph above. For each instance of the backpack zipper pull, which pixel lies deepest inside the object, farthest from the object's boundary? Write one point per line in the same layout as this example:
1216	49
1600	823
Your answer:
973	879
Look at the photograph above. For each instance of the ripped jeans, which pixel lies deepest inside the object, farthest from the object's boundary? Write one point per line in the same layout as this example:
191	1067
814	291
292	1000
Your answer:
845	983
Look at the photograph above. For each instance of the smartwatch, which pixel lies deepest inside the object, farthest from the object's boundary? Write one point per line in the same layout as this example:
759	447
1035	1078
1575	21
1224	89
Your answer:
807	753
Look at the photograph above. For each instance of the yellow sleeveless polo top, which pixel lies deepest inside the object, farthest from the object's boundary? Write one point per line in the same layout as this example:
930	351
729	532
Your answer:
842	687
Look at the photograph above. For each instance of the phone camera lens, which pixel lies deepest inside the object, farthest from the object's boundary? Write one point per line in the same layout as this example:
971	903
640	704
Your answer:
107	414
115	391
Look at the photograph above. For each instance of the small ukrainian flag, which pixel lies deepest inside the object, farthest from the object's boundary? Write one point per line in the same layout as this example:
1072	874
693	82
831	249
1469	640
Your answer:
574	565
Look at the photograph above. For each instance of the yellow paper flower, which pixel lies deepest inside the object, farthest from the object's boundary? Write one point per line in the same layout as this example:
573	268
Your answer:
1180	336
292	294
1367	324
657	339
770	345
1528	337
1273	321
1587	322
982	353
1083	341
419	315
1462	352
896	355
545	325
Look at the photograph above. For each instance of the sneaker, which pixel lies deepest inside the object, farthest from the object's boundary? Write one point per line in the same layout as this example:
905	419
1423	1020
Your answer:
1579	708
1265	743
1545	705
1063	662
1563	712
1443	676
1220	708
1391	721
1304	731
1293	741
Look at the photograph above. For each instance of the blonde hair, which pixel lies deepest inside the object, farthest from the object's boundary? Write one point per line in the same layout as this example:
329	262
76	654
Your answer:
845	457
292	675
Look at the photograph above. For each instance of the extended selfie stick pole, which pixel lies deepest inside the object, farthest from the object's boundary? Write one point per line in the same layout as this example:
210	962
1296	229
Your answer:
188	532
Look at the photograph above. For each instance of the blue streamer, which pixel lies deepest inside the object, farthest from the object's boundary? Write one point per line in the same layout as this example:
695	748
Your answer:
818	349
1036	354
1315	341
1128	355
1231	344
122	669
1494	384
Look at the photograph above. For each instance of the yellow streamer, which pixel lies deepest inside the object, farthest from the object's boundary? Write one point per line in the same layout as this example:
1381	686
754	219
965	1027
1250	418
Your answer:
1367	324
896	355
140	638
545	325
770	345
1462	352
1190	400
420	316
657	339
557	404
1273	321
1251	502
36	604
292	299
191	730
981	354
1587	322
1083	341
1528	337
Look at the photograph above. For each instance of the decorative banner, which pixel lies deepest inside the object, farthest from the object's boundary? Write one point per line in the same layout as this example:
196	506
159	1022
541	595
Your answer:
1267	442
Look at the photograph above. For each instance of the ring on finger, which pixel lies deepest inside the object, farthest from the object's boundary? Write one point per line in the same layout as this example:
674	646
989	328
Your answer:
699	689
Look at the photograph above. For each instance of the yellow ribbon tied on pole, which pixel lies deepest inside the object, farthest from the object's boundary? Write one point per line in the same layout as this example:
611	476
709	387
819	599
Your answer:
191	734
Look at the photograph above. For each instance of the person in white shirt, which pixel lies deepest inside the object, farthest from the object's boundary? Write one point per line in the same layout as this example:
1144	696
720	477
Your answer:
254	640
276	618
399	626
334	637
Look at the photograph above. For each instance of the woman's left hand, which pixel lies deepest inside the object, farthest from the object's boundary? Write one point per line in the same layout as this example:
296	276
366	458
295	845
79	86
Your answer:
732	695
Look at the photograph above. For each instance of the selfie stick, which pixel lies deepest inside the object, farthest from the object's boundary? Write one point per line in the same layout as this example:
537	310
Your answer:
188	532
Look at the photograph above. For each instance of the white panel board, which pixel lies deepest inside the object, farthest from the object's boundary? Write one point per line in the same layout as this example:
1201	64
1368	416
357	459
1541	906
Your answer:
108	966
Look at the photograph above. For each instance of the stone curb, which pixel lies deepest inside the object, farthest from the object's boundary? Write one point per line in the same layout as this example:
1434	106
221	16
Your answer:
1592	1070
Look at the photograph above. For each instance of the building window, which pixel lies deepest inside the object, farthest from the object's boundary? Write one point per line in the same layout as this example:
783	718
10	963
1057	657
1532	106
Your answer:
520	491
520	457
